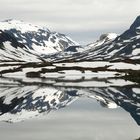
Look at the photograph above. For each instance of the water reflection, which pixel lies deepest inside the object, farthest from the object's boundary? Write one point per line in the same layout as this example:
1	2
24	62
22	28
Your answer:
19	102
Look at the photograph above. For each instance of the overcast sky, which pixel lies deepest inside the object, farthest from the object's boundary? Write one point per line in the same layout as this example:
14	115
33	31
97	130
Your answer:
82	20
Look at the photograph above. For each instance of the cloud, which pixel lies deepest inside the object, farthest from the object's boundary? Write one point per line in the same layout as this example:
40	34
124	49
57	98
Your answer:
73	15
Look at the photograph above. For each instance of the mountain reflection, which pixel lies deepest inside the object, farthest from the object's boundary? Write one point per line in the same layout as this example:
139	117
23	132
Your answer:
20	102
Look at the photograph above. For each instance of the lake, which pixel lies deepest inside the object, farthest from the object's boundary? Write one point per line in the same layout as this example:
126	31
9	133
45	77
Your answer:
91	109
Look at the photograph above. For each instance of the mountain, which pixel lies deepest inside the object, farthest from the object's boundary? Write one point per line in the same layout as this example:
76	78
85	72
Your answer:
26	42
12	51
104	38
127	45
21	41
109	47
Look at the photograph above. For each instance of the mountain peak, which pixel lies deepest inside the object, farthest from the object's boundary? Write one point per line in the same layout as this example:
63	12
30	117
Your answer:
18	25
34	39
12	20
136	23
108	36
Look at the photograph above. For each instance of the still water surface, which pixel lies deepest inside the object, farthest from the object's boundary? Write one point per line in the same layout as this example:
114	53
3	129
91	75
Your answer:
37	112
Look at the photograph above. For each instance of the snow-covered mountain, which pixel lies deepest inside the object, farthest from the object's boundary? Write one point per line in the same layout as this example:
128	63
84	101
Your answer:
20	40
104	38
12	51
26	42
109	47
127	45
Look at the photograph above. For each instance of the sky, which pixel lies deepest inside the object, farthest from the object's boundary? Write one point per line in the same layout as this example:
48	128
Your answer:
83	20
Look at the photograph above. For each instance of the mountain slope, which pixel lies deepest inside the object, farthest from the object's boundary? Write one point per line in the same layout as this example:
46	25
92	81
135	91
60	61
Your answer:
12	51
52	46
104	38
34	40
109	47
127	45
